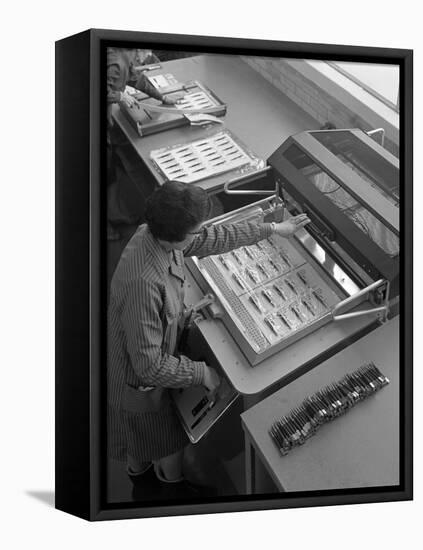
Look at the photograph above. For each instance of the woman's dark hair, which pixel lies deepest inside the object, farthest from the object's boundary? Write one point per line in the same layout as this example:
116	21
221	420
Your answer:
174	209
328	126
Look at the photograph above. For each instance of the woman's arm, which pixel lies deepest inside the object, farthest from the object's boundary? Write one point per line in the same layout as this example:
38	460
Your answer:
223	238
113	83
145	86
218	239
143	328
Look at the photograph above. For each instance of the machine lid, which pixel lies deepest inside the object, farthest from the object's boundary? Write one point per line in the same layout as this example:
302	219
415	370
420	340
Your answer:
350	190
369	171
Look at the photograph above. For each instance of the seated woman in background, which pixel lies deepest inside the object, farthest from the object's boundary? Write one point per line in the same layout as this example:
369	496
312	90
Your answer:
122	71
145	321
146	57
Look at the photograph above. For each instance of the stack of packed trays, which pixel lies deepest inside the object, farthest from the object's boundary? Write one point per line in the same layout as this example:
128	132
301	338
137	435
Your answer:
332	401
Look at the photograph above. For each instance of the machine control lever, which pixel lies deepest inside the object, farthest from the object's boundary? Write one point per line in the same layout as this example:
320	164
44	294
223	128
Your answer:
374	288
191	313
207	300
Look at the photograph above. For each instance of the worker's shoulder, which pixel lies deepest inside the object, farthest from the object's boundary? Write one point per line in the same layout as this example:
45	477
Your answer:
141	261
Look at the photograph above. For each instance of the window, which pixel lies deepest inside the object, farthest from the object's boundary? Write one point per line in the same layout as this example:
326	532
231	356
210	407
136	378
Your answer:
380	80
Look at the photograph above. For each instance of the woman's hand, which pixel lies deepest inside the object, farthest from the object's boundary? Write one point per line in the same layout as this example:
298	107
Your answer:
289	227
128	99
172	100
211	380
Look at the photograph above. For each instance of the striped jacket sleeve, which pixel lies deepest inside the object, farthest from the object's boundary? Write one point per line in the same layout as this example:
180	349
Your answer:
143	329
144	85
113	83
218	239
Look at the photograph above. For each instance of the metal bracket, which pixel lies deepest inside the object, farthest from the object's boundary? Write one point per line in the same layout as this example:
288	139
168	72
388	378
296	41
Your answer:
378	131
381	311
320	226
207	300
192	312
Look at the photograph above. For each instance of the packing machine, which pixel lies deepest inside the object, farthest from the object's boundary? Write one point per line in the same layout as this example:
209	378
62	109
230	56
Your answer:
343	265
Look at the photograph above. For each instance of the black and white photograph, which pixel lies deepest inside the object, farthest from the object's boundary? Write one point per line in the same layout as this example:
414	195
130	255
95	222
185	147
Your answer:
210	275
253	276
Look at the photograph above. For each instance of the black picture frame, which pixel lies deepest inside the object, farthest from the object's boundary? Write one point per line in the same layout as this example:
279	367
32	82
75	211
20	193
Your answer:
80	282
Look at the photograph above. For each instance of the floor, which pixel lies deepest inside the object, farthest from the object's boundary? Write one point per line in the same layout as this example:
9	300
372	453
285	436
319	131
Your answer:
206	464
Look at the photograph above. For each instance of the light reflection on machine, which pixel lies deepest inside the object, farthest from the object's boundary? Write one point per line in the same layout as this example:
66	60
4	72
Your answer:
349	186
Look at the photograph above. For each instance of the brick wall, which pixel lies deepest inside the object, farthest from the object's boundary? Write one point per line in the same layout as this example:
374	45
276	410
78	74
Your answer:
315	101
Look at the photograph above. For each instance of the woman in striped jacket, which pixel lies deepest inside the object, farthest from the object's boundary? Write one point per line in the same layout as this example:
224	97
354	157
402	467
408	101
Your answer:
145	315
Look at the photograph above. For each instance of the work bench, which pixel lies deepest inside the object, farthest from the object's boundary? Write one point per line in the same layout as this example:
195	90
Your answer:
357	450
258	114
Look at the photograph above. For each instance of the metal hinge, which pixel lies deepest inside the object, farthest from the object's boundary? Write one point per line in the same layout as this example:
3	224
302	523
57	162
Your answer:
192	312
377	291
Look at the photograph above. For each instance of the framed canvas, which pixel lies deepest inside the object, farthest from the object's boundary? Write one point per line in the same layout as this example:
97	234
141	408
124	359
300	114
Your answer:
233	274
